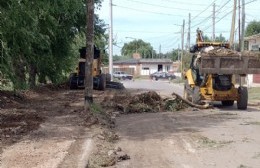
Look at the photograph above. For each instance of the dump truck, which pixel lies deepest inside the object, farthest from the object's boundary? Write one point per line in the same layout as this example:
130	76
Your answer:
100	80
210	76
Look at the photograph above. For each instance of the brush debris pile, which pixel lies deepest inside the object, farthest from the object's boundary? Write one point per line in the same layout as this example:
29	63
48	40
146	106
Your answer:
143	102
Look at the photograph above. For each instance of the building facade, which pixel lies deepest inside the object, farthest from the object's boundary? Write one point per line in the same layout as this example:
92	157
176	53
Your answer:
252	43
144	67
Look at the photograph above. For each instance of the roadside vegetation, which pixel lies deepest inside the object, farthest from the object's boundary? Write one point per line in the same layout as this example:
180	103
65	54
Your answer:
254	94
42	46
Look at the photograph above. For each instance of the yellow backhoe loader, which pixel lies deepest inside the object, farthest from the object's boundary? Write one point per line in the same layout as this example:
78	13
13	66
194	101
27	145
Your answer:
211	73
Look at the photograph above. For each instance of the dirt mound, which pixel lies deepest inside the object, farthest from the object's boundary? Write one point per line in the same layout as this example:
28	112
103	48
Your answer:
144	102
220	51
51	87
10	99
17	122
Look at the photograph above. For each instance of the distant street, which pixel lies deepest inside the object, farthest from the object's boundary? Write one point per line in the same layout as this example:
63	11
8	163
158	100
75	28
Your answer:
162	87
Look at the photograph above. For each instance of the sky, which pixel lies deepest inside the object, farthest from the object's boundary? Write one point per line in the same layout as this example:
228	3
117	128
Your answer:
158	22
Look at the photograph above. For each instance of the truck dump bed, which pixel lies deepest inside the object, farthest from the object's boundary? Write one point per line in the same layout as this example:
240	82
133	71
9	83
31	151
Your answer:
225	61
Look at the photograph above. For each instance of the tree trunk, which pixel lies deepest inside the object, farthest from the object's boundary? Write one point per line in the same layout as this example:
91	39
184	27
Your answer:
19	72
32	75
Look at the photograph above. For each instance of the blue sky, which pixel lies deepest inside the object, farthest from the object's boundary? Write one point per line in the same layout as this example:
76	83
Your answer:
156	21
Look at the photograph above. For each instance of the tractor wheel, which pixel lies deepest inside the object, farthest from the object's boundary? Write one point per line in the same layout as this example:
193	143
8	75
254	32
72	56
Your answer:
102	82
73	81
196	95
243	98
227	102
108	77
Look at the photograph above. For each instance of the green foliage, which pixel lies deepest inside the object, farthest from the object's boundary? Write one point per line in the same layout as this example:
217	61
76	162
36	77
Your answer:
39	39
138	46
252	28
219	38
173	55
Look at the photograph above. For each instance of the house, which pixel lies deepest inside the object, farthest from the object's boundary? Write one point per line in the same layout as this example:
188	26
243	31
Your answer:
252	43
144	67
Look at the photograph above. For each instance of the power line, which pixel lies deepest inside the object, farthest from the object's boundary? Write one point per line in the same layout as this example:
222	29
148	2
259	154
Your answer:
203	10
209	17
146	11
219	19
228	14
184	3
203	21
137	31
161	6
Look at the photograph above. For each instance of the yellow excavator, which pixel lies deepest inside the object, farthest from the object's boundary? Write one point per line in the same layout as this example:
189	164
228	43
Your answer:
211	73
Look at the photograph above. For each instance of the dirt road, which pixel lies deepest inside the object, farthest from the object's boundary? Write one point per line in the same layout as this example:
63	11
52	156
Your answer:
221	137
44	129
48	128
191	139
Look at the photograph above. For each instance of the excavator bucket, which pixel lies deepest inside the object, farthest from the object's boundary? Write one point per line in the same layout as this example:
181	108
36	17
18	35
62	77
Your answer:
230	63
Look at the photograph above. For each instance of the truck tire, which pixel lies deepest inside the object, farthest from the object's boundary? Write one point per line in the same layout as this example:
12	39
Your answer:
196	95
243	98
102	82
227	102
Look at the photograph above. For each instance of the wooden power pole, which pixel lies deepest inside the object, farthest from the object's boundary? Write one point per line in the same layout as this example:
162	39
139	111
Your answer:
233	24
182	44
89	55
243	26
213	20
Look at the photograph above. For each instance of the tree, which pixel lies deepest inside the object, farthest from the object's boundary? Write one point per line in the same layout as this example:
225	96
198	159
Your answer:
252	28
173	55
41	46
138	46
220	38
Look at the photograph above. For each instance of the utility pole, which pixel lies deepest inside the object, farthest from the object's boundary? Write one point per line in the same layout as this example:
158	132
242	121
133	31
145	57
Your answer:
239	26
182	44
111	40
89	55
233	24
160	51
188	36
179	52
213	19
243	25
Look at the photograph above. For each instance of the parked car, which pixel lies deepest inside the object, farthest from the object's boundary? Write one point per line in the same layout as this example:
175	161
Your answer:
122	75
162	75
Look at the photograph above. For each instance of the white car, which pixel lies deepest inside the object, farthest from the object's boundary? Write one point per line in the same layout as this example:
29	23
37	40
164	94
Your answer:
122	75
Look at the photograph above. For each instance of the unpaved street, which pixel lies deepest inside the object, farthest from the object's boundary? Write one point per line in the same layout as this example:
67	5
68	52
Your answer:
219	137
48	128
191	139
